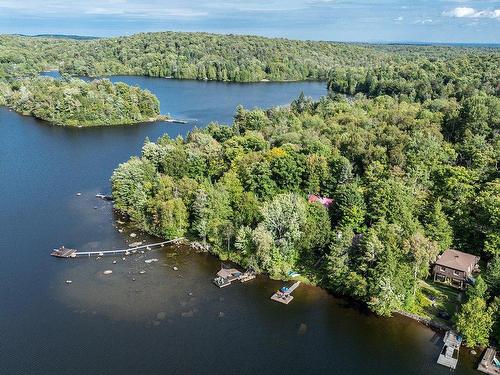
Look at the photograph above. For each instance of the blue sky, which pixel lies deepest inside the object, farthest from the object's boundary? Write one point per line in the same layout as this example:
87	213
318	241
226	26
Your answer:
465	21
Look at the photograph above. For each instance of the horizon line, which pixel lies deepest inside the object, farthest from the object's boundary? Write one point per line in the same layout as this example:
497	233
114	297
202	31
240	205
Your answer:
379	42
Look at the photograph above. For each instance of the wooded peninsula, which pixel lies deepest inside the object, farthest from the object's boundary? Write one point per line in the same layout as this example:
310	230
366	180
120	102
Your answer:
360	193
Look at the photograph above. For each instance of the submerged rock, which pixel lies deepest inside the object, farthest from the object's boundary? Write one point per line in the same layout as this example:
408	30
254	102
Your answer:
302	329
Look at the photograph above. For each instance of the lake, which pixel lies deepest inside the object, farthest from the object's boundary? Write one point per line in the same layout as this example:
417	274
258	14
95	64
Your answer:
161	321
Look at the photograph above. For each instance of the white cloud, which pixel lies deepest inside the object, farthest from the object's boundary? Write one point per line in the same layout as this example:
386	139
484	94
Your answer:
424	21
467	12
399	19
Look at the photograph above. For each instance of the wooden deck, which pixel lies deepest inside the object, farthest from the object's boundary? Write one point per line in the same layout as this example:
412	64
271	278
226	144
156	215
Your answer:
286	296
247	277
449	353
487	365
62	252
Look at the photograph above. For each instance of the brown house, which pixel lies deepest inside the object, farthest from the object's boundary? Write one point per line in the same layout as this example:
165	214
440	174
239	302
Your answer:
454	267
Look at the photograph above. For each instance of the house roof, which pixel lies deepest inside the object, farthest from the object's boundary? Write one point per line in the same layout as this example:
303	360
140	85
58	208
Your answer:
457	260
226	272
323	200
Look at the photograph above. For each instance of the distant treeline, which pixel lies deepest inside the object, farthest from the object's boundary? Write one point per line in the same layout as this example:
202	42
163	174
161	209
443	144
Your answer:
231	57
423	78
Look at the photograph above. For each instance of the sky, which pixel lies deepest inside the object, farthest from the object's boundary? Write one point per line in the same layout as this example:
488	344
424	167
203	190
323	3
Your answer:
445	21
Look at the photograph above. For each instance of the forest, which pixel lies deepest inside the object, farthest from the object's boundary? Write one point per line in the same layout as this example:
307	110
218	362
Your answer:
74	102
66	101
415	72
407	179
241	58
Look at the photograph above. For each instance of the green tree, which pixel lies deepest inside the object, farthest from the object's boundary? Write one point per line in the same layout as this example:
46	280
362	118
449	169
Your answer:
492	276
475	322
475	318
437	227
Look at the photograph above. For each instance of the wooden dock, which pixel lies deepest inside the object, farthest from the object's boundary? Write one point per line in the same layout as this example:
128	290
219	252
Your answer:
487	364
62	252
285	295
449	353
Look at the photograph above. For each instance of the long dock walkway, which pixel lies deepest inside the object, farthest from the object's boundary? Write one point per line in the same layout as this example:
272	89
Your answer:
71	253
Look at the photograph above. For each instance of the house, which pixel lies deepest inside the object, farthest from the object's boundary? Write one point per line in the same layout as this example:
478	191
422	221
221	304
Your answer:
454	267
326	202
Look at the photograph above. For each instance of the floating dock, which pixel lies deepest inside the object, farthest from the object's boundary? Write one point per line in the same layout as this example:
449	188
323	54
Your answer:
285	294
62	252
490	364
449	353
227	275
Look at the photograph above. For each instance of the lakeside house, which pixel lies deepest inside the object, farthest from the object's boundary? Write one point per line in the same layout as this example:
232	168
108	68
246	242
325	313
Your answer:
455	267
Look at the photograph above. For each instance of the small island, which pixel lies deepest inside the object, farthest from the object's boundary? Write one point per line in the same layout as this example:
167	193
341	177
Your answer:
74	102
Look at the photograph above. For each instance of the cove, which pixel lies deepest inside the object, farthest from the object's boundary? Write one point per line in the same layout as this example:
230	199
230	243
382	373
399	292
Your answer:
164	322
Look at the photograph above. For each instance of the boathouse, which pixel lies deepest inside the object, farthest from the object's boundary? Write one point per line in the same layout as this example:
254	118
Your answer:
455	267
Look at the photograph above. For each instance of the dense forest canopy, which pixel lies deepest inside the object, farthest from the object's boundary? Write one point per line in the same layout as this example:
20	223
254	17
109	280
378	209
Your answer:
408	180
226	57
74	102
70	102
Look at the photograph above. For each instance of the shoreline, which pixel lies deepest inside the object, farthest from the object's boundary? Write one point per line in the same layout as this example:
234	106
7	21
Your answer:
200	247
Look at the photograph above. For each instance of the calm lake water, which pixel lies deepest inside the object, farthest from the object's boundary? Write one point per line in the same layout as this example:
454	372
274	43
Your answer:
162	321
